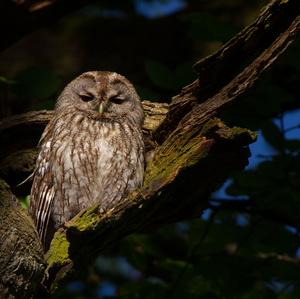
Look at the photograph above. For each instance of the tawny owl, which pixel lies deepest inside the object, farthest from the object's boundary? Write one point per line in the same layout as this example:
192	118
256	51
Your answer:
91	151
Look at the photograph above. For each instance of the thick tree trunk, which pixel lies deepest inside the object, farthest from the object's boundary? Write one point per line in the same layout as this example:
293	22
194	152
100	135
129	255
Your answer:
193	153
21	256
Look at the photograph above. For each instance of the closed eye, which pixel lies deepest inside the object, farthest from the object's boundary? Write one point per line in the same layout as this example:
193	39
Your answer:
117	100
86	97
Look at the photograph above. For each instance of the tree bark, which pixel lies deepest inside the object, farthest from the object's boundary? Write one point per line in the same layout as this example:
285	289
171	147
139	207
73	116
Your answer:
191	152
21	256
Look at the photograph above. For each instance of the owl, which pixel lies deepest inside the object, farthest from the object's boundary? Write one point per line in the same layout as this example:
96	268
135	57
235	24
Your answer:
91	151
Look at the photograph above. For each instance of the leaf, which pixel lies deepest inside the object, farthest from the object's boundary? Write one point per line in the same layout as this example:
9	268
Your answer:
25	202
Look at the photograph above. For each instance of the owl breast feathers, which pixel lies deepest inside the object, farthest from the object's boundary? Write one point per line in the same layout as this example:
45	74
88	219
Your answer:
92	151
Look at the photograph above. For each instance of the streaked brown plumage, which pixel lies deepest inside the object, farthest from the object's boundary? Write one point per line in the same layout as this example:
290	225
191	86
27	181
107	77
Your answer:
91	152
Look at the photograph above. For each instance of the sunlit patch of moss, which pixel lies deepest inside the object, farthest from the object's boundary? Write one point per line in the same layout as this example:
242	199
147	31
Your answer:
58	253
86	220
25	202
173	160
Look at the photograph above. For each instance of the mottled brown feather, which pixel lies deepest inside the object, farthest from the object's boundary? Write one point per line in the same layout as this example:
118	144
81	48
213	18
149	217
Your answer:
86	157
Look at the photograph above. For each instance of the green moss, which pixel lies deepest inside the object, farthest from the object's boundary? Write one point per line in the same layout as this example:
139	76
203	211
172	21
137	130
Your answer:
210	125
179	152
86	220
237	131
169	160
187	149
58	253
284	1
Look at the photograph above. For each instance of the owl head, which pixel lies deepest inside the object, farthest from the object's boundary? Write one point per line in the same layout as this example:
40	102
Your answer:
101	95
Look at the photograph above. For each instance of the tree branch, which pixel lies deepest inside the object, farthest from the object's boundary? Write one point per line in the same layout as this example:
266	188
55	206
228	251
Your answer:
255	48
198	146
17	157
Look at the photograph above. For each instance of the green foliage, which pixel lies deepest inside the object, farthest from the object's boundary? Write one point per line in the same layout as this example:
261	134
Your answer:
25	202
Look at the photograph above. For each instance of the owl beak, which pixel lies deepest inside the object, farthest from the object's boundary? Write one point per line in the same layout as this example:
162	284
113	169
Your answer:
101	108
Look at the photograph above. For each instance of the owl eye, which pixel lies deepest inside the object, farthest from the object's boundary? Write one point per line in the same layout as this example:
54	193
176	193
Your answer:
86	97
117	100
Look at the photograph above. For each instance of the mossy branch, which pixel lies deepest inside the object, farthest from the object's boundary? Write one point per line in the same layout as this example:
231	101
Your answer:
196	152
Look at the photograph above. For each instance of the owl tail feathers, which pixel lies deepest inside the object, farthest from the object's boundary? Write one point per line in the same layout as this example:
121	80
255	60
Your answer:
26	180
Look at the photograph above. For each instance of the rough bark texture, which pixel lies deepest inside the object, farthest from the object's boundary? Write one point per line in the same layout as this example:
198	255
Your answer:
21	257
254	49
193	153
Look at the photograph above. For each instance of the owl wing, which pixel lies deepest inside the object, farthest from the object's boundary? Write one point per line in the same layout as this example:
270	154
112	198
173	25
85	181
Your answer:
42	191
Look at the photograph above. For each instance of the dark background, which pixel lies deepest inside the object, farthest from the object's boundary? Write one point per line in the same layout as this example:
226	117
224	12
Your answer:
246	244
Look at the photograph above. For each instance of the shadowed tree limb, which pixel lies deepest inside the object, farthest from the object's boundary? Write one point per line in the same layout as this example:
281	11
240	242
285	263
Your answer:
254	49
